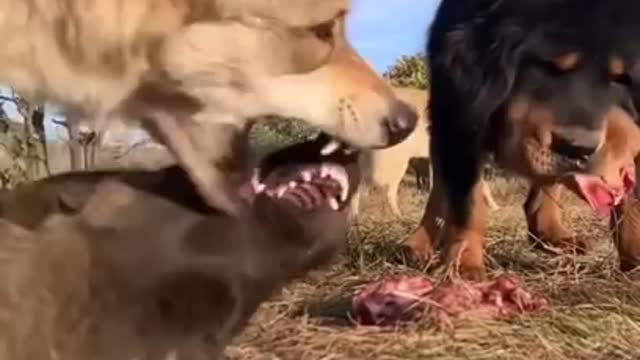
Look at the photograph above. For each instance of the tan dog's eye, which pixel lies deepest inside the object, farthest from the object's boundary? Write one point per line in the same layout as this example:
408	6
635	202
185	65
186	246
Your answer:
324	31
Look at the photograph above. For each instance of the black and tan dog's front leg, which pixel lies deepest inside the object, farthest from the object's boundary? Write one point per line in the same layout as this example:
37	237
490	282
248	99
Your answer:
457	229
624	224
464	236
544	220
422	243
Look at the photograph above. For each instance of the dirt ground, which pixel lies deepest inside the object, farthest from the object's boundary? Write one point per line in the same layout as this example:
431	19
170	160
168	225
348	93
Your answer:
595	312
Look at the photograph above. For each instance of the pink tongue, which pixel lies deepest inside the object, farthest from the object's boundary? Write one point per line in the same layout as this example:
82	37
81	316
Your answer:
599	196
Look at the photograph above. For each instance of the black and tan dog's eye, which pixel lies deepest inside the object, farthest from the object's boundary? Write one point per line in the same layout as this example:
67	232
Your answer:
565	62
617	71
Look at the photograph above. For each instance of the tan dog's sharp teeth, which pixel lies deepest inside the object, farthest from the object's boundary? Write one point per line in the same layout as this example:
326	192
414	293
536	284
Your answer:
330	148
324	171
339	174
260	188
306	176
255	182
281	191
292	184
333	203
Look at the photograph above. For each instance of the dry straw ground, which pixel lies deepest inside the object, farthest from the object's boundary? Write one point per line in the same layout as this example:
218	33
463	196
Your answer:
595	311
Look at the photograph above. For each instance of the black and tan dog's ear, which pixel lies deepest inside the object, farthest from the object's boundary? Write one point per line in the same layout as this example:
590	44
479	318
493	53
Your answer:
460	61
293	13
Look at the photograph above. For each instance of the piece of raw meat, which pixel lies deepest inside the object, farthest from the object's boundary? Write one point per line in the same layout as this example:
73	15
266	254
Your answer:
403	298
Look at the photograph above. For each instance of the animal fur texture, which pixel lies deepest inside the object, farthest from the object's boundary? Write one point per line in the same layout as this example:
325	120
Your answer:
193	71
530	82
132	264
384	169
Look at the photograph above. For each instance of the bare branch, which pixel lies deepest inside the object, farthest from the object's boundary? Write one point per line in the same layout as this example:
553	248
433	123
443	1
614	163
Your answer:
64	124
9	99
131	148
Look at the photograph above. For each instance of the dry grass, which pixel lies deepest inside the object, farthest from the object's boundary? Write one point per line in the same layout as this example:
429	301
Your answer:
595	311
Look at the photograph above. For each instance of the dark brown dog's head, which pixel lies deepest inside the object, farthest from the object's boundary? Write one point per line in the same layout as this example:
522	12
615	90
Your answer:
193	270
538	77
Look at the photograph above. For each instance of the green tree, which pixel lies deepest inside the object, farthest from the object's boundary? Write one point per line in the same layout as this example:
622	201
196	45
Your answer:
410	71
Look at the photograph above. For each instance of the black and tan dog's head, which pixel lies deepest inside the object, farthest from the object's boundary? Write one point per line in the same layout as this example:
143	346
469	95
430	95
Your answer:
536	78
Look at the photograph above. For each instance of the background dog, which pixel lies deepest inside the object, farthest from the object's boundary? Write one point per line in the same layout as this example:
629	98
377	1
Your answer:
137	266
384	169
505	82
193	71
421	168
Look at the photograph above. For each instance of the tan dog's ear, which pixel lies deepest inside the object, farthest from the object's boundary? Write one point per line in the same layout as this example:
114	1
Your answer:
294	13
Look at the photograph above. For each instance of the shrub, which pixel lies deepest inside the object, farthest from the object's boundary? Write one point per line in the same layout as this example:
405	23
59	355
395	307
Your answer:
409	71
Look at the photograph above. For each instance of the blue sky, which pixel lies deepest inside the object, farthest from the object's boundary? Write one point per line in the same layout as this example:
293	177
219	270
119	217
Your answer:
380	30
383	30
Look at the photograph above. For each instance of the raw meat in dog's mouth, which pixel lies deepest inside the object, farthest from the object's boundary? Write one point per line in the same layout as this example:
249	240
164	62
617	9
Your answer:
600	196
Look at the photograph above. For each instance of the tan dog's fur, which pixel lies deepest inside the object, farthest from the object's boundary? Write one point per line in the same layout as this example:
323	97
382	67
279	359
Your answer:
384	169
193	71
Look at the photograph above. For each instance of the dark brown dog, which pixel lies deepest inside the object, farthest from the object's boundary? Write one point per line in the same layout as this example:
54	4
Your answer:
531	82
132	264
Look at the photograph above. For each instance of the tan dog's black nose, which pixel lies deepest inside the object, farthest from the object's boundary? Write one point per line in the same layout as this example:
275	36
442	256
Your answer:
400	123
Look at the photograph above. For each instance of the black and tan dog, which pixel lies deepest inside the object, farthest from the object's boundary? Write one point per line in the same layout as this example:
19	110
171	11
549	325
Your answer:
533	83
133	264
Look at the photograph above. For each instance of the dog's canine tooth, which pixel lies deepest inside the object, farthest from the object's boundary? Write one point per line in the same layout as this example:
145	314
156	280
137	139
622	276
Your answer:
306	176
333	203
292	184
348	150
255	181
282	190
330	148
325	170
339	174
260	188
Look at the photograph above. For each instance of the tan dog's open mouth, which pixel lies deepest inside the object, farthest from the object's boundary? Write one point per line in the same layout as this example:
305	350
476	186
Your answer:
309	175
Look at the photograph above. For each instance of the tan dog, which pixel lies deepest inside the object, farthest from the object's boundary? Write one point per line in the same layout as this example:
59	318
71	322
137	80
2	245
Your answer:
384	169
193	71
